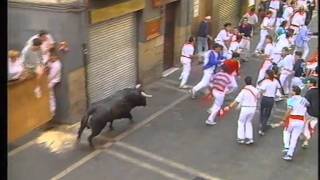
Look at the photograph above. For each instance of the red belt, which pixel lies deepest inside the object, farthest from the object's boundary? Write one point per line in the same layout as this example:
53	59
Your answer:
296	117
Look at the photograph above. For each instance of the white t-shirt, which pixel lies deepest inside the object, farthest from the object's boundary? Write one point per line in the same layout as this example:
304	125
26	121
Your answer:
298	19
268	49
187	50
302	3
246	98
15	67
282	42
286	64
269	87
44	46
252	19
223	36
267	22
298	104
275	4
54	73
288	11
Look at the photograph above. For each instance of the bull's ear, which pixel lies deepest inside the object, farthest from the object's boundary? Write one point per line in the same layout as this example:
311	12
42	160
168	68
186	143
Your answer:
138	86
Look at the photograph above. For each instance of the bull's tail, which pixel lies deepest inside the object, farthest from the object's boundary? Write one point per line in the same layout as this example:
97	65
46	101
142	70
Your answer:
84	124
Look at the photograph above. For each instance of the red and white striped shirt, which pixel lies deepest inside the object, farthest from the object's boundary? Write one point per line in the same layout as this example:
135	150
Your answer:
222	80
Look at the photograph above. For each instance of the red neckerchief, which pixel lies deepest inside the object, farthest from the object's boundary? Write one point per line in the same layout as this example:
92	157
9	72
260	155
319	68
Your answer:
251	13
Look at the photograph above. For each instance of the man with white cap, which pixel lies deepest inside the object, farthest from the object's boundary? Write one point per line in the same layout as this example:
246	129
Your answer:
203	34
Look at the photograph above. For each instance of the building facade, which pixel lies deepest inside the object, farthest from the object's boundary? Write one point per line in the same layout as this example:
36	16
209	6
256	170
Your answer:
113	44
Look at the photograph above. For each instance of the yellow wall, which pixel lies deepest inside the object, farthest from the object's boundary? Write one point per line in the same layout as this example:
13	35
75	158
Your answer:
26	112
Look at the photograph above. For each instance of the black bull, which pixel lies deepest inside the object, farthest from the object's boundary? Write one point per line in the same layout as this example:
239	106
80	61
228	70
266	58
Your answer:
114	107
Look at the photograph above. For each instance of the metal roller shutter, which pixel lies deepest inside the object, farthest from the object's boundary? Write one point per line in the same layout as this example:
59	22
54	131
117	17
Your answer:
112	57
228	11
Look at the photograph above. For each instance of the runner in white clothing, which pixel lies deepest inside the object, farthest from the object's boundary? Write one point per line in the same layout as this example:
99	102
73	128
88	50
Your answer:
186	57
266	28
288	11
283	41
248	101
293	122
298	19
286	69
224	37
209	66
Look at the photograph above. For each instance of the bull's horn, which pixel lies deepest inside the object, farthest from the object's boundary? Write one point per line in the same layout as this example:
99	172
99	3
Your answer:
138	86
145	95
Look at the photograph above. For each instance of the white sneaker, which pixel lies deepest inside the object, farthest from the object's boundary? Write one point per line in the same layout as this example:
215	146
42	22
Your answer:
184	87
261	133
250	141
287	157
210	122
240	141
305	145
193	96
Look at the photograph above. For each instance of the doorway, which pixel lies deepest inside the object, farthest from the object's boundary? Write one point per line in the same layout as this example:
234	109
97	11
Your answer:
170	16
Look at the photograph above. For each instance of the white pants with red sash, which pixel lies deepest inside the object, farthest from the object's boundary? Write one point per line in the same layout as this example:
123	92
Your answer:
292	131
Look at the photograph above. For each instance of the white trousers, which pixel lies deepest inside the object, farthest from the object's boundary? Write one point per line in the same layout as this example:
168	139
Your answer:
305	49
291	135
263	34
311	123
204	81
284	80
185	73
245	122
245	46
217	103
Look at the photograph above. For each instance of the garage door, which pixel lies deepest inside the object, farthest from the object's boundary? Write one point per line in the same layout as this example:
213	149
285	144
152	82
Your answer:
228	11
112	62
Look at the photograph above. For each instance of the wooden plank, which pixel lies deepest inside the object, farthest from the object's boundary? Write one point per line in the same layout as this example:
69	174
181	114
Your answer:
27	112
